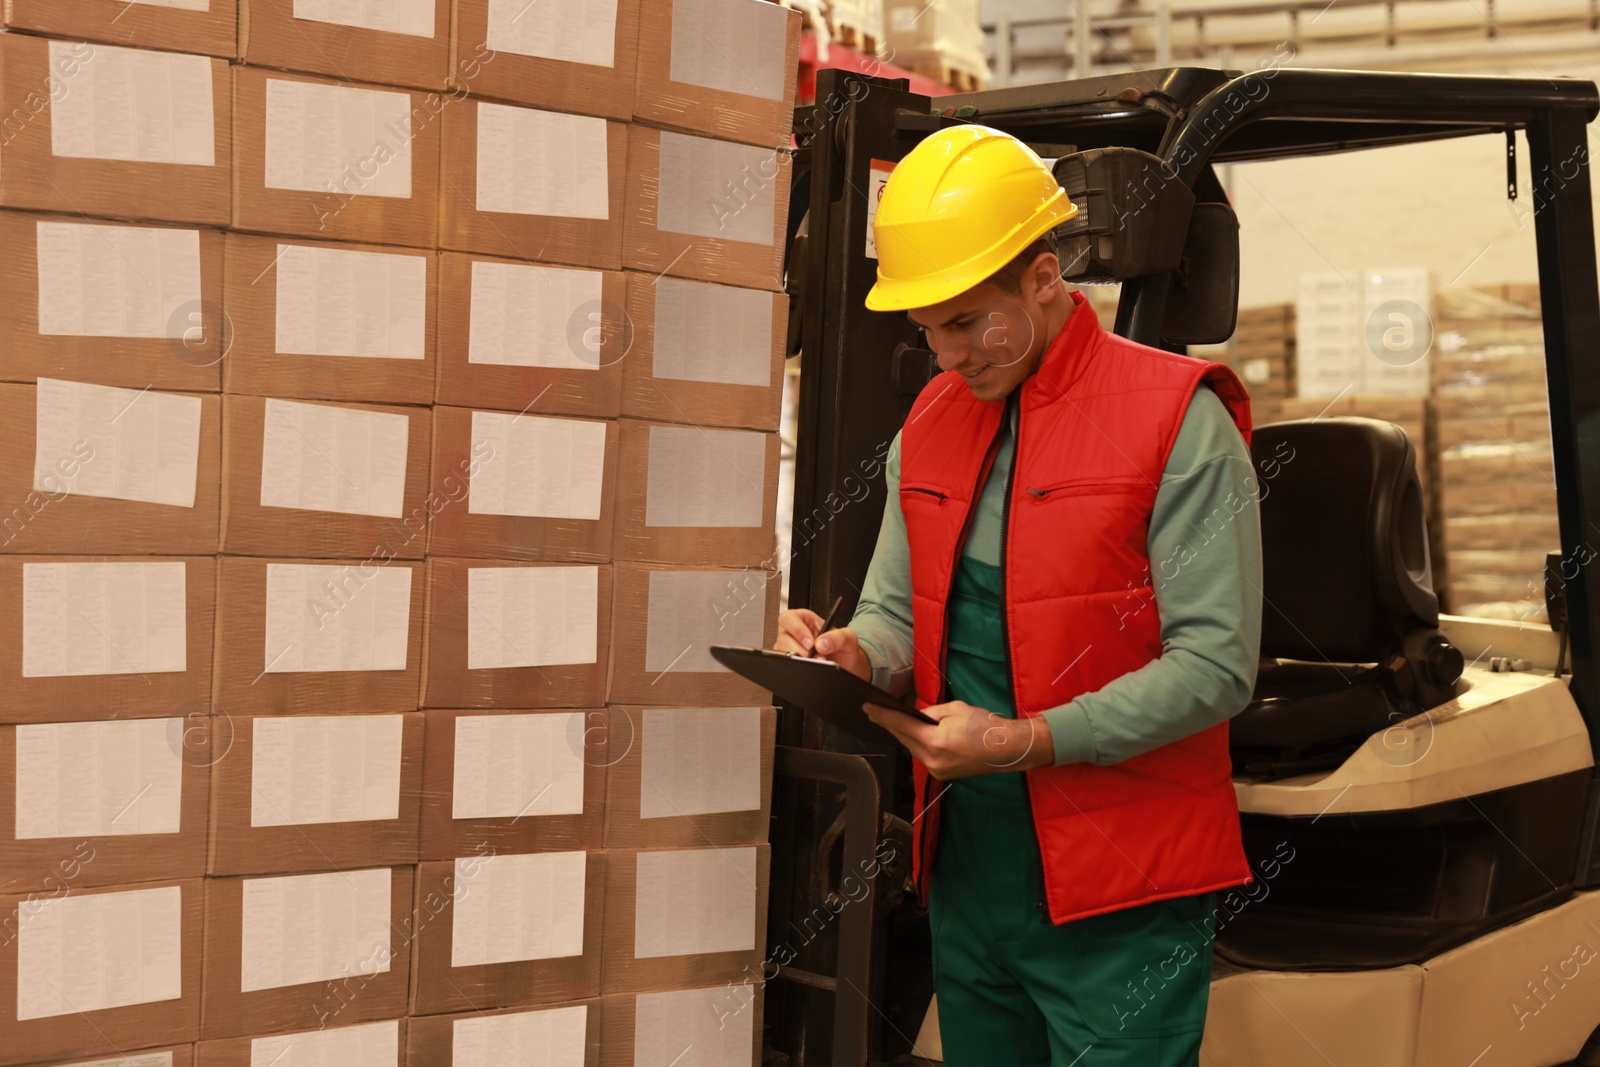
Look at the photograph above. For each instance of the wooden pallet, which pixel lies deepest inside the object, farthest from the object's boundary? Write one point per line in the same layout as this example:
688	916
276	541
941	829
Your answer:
957	78
856	38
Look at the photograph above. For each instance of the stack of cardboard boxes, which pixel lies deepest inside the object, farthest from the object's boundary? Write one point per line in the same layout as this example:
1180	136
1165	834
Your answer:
942	41
1494	514
390	392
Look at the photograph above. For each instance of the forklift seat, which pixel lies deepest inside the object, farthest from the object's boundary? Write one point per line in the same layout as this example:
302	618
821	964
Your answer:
1348	600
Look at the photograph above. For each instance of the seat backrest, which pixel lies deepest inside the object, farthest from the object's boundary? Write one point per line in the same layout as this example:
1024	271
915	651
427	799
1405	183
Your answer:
1344	540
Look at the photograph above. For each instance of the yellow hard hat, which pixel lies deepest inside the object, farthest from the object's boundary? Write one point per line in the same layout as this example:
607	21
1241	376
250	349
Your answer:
960	206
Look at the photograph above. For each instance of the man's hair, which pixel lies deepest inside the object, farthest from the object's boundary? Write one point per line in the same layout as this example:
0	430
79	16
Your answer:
1009	277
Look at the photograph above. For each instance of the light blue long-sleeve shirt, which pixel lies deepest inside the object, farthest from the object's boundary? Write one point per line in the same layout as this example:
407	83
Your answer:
1205	553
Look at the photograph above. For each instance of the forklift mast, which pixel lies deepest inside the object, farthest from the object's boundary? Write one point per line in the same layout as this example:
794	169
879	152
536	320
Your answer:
849	964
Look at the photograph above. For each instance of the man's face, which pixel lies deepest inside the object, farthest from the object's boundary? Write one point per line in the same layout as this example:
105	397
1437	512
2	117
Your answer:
991	337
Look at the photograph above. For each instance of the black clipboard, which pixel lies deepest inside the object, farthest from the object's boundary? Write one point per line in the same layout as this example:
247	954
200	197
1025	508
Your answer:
820	686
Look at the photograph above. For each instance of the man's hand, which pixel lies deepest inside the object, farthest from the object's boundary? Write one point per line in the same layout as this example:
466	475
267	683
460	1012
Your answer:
798	634
967	741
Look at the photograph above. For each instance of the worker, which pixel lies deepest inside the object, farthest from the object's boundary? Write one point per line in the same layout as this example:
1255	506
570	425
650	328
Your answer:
1068	576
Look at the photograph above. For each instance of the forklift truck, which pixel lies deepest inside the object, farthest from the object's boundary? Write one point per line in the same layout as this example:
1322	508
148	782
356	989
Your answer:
1423	831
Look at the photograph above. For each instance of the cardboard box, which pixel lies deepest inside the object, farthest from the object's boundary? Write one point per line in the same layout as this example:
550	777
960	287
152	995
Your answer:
937	42
330	321
305	793
1502	532
149	656
692	776
694	496
490	639
567	1034
133	808
170	1056
69	108
1521	497
534	185
710	355
403	42
534	338
346	479
527	781
565	60
1515	425
335	1045
345	636
684	918
146	940
211	30
664	620
1496	463
515	909
723	67
93	319
325	950
522	486
101	440
710	210
1275	319
376	179
722	1022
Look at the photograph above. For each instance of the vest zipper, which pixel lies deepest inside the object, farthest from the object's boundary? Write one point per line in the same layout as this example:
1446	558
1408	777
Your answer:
955	559
1005	634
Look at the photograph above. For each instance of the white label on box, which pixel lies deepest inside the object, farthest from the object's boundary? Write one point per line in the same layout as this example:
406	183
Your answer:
510	908
94	951
126	444
335	302
336	139
133	104
692	610
325	768
717	189
537	467
337	617
576	31
321	458
413	17
731	45
99	280
532	616
713	1022
695	902
508	766
542	163
313	927
103	618
372	1045
147	1059
527	316
699	761
555	1037
99	779
704	477
712	333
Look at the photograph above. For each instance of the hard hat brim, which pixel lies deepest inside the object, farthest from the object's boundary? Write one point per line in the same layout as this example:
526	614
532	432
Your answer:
908	294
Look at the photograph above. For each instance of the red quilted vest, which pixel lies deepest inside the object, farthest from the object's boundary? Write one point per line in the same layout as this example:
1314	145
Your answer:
1097	421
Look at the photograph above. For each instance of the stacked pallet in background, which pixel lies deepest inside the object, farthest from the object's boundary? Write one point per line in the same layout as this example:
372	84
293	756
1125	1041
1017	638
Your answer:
858	24
392	431
942	41
1494	515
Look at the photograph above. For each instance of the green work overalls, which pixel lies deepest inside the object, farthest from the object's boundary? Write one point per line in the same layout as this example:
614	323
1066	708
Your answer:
1124	989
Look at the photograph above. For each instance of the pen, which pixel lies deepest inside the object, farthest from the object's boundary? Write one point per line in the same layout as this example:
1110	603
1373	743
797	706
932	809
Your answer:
827	624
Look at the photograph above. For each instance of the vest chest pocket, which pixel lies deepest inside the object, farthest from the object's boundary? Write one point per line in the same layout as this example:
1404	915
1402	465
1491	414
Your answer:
1121	489
1097	533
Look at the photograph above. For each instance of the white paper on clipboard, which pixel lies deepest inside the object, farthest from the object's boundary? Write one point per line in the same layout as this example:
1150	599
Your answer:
877	178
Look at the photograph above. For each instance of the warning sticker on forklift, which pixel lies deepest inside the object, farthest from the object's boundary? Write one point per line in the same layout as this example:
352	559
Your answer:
878	177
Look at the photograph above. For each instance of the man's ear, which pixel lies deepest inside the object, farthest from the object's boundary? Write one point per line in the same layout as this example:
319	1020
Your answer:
1044	277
